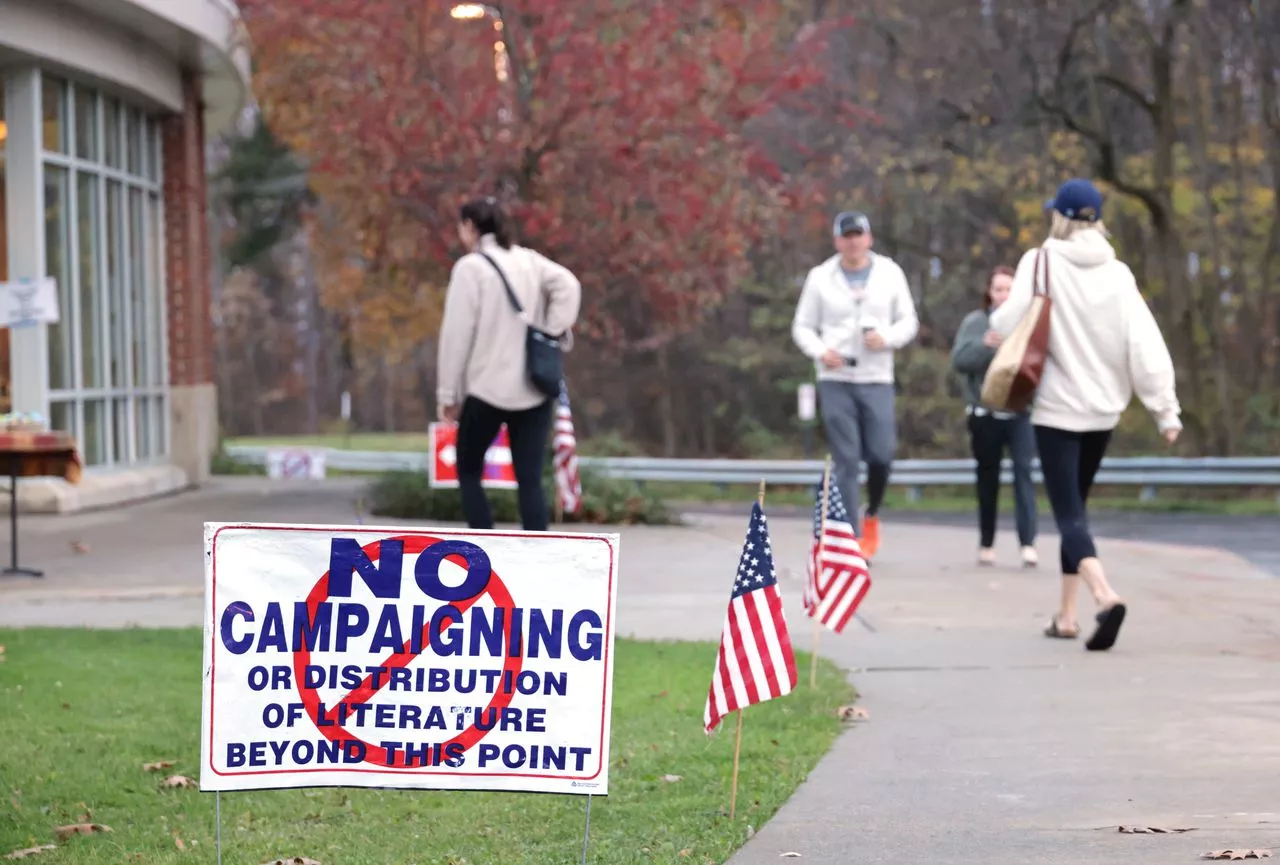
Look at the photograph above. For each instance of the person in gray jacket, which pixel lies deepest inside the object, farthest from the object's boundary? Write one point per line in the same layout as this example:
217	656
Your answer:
855	310
990	432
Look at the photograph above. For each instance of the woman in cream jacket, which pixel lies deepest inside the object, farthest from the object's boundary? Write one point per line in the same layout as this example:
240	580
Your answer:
1104	345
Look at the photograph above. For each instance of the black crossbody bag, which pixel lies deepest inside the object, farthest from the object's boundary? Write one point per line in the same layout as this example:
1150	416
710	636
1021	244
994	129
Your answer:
542	350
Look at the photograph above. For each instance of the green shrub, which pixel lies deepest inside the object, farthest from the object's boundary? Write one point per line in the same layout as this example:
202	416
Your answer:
221	463
408	495
608	444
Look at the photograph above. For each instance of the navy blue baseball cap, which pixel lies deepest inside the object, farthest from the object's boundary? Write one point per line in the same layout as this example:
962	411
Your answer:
1078	199
851	222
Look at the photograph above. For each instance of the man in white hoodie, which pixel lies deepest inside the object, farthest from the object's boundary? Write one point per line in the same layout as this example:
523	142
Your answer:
855	311
1104	345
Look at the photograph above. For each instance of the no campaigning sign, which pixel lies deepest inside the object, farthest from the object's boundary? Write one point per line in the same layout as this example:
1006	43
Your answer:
379	657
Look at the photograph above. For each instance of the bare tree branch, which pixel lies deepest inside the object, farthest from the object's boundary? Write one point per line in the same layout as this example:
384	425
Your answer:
1125	88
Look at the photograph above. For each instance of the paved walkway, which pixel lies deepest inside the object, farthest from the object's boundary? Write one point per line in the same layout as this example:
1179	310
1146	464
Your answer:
986	743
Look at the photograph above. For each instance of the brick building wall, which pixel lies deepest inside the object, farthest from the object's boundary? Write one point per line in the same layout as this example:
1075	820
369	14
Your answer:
193	397
186	242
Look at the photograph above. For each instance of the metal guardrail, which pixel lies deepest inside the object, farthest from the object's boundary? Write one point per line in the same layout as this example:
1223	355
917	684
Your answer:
1147	472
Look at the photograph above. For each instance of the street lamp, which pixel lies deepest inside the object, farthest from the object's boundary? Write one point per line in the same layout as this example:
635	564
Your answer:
472	11
476	11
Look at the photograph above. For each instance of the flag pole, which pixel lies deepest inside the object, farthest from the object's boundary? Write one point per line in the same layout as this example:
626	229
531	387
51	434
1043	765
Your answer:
817	566
737	748
737	739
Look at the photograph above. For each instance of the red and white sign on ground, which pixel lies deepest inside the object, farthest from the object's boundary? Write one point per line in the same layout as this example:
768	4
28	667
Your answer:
499	472
385	657
285	463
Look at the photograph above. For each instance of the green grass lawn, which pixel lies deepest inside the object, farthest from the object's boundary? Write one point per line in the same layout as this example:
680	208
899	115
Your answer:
354	442
81	711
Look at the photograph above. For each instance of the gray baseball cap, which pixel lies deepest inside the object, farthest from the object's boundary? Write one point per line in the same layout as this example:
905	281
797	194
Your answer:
851	222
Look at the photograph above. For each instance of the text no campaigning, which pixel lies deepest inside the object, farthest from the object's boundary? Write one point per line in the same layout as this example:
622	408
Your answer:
447	632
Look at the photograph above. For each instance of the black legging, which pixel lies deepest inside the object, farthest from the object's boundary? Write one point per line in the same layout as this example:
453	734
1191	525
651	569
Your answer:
1069	462
528	430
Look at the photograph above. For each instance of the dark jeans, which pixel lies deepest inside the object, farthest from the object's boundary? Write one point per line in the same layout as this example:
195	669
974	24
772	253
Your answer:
528	430
988	438
1069	462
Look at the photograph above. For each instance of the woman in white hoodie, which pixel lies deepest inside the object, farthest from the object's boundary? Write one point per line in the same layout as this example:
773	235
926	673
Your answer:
1104	345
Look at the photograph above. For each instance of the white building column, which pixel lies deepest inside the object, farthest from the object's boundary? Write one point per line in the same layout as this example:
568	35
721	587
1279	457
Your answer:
24	216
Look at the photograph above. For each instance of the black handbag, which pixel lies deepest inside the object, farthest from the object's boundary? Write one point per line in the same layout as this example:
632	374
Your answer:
542	350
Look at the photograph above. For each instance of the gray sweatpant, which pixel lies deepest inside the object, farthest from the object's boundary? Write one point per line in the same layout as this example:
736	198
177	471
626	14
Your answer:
861	427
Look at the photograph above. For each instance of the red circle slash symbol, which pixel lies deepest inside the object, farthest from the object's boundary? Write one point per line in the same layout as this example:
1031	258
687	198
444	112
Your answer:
413	545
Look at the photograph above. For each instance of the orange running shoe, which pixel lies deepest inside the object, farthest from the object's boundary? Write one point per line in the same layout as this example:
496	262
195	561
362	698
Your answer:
870	536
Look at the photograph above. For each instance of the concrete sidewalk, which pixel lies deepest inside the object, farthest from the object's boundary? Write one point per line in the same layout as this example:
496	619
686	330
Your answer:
986	743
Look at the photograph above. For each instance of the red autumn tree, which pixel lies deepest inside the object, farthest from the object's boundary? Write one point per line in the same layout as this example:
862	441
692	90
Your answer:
615	130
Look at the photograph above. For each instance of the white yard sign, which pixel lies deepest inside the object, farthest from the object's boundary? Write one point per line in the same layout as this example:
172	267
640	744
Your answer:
285	463
381	657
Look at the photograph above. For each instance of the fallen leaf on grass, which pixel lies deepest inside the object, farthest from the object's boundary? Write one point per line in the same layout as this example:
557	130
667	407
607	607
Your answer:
686	852
1237	854
179	843
66	832
1152	830
852	713
177	781
293	860
157	766
671	779
31	851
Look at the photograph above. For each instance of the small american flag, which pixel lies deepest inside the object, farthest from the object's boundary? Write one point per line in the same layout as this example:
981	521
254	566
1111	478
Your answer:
755	662
564	458
837	573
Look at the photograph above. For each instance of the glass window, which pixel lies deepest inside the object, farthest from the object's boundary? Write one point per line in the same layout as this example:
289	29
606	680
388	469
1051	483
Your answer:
133	141
86	125
155	296
160	421
111	131
139	333
121	436
88	224
95	433
117	303
53	95
146	435
103	238
5	395
153	147
57	252
62	416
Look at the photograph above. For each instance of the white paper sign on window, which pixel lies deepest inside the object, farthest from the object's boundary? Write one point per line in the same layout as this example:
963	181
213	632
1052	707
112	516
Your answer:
29	301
